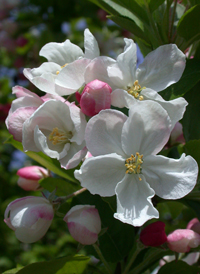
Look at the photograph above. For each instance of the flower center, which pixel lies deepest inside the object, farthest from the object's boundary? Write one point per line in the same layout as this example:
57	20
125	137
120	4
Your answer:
133	164
58	136
135	90
58	71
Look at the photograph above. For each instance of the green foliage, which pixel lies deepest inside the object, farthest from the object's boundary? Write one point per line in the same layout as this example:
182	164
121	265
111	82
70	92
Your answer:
69	265
188	26
178	267
42	159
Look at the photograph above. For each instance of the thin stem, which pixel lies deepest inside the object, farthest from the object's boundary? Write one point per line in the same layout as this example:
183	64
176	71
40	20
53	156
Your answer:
98	251
143	264
132	260
172	21
76	193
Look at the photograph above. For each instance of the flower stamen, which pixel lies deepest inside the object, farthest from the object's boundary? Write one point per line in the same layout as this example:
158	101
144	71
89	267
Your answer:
58	71
133	164
135	90
58	136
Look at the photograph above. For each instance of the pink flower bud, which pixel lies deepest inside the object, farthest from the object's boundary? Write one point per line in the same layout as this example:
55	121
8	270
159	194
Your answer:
84	223
153	234
29	177
95	97
181	240
30	217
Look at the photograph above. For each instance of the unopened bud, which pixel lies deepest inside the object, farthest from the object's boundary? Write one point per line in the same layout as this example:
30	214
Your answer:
84	223
95	97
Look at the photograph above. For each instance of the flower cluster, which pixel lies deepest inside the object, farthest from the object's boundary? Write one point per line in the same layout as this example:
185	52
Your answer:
123	149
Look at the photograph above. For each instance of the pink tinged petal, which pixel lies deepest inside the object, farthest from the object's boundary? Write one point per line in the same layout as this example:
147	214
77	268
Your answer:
103	133
23	92
32	172
134	204
28	185
175	108
81	234
48	97
33	234
17	119
72	76
97	69
90	45
170	178
181	240
84	223
192	222
101	174
86	215
69	161
61	53
161	68
146	130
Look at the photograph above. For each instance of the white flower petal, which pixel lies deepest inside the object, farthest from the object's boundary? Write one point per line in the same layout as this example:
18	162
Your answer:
170	178
134	204
147	129
161	67
97	69
90	45
42	144
72	76
101	174
175	108
120	98
61	53
74	156
103	133
127	61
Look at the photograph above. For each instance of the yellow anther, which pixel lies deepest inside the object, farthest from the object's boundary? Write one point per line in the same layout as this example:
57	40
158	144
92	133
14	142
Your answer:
133	164
58	136
57	72
135	90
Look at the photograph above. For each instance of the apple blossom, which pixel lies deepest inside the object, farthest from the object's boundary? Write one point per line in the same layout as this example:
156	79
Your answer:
57	129
84	223
153	234
95	97
125	163
63	59
160	69
29	177
181	240
22	108
30	217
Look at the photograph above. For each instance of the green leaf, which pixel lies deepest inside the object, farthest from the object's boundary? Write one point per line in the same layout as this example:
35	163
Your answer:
118	240
13	271
133	26
153	5
41	158
178	267
193	148
191	118
189	79
63	187
188	26
65	265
